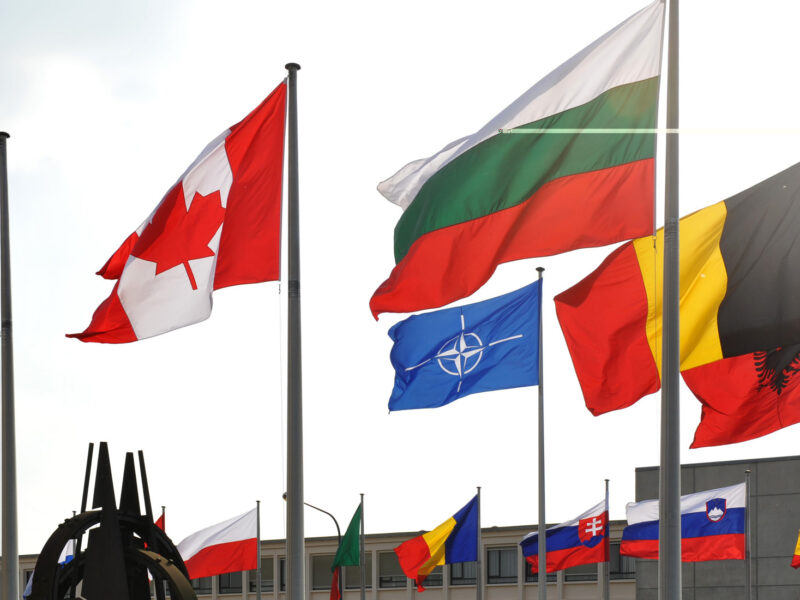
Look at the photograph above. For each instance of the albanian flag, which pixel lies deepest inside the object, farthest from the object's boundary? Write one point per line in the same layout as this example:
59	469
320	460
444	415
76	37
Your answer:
739	285
747	396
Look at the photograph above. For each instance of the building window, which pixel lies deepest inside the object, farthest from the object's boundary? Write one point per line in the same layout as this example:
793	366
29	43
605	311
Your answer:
282	564
463	573
533	576
390	575
501	565
620	567
434	579
230	583
581	573
267	576
202	585
321	572
352	575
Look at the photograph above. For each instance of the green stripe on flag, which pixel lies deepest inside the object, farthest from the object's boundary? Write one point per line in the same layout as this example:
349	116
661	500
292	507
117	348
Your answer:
506	170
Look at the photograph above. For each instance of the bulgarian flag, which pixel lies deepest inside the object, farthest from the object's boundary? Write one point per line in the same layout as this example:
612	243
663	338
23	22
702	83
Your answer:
218	226
569	164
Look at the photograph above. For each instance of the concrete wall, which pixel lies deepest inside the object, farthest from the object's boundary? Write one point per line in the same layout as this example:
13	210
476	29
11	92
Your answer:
774	522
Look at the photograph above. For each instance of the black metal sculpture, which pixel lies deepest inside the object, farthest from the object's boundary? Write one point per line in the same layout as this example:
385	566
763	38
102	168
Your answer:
119	553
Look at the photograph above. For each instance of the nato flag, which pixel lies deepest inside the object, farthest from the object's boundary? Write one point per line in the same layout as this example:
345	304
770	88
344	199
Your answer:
447	354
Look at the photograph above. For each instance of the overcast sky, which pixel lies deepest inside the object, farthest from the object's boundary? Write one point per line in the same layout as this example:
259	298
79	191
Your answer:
107	103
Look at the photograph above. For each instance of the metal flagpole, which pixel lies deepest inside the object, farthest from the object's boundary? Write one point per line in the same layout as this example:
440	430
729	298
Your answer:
295	542
361	555
669	534
258	550
542	585
478	578
606	565
748	584
10	584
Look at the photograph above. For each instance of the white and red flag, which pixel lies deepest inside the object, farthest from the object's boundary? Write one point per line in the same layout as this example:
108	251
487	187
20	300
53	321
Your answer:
222	548
218	226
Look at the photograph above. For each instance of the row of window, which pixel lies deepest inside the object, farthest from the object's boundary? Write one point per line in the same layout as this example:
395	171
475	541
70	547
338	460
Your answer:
502	566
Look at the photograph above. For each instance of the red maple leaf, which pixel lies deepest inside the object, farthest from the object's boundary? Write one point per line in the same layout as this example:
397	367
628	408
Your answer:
175	236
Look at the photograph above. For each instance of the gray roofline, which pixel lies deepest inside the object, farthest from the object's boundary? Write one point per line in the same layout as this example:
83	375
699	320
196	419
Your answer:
728	462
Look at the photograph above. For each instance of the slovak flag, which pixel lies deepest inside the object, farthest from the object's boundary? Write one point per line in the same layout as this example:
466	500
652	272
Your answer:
581	541
222	548
712	526
218	226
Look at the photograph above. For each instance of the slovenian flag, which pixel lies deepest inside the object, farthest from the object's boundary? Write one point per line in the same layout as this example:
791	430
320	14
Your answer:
581	541
454	541
712	526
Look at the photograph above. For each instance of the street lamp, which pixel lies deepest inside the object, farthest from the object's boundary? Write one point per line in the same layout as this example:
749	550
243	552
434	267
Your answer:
338	536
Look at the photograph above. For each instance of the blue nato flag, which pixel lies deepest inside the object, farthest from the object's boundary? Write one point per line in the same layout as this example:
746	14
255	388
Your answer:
447	354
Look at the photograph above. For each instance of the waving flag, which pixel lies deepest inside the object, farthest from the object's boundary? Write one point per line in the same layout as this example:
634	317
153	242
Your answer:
447	354
218	226
222	548
569	164
712	526
454	541
738	294
796	556
581	541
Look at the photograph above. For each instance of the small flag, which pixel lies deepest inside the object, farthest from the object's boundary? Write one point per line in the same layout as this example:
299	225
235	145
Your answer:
66	556
712	526
796	556
348	554
454	541
581	541
222	548
447	354
218	226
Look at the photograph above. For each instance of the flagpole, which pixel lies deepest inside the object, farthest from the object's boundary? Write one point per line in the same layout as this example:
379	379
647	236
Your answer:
295	542
361	555
748	585
258	550
606	565
9	521
669	535
542	522
478	578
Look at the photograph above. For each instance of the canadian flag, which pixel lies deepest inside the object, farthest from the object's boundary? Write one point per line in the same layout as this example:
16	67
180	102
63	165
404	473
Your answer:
218	226
222	548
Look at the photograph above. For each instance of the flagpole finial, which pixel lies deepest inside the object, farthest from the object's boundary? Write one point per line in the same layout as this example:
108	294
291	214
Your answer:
292	67
540	269
4	134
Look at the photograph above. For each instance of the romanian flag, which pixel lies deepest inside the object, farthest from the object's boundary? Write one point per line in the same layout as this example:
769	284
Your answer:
796	557
739	285
454	541
569	164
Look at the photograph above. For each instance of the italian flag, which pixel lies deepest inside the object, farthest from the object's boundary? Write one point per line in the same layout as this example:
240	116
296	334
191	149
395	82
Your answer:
569	164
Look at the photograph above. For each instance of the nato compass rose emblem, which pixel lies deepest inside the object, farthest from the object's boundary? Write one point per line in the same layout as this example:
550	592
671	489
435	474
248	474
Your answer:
461	354
716	509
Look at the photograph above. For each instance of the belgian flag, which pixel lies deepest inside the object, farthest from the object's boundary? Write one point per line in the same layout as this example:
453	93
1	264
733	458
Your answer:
739	295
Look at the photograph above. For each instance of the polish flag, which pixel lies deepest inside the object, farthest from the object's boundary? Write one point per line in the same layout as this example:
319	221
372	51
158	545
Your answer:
222	548
218	226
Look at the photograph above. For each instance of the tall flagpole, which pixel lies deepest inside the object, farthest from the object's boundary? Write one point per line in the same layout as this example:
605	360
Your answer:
669	534
606	566
295	542
748	562
542	522
478	578
10	584
258	550
361	554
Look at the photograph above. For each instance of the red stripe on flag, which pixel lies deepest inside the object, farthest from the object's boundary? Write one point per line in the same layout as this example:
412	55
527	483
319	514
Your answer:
223	558
412	555
571	557
604	320
110	323
712	547
577	211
